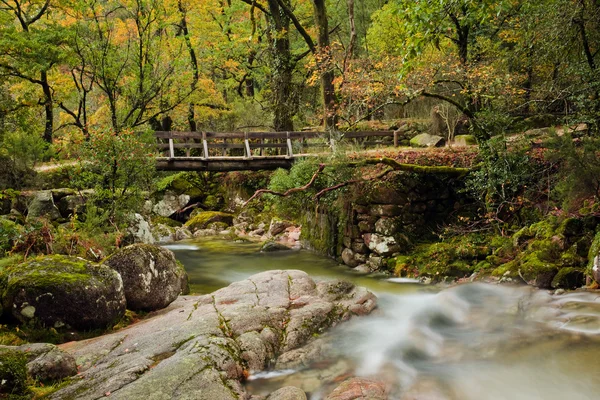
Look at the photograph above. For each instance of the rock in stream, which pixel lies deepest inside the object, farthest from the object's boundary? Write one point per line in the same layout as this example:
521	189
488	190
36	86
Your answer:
204	347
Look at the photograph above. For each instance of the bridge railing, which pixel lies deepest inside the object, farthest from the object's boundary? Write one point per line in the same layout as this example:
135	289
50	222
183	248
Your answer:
251	142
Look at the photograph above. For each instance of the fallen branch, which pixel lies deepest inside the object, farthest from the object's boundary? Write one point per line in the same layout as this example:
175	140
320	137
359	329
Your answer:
260	192
352	182
391	163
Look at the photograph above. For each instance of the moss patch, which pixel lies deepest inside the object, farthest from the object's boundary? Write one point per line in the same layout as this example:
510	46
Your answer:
203	219
13	375
455	257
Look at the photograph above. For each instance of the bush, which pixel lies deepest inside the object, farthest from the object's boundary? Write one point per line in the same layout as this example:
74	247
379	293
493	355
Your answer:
508	177
299	175
580	169
120	167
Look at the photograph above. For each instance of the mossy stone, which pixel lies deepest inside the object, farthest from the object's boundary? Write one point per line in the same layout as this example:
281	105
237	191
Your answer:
465	140
568	278
152	277
539	270
166	221
203	219
13	375
53	291
571	227
594	259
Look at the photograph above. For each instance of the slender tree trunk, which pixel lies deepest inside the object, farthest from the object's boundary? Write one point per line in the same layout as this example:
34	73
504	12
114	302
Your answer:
191	114
351	21
48	107
327	73
250	79
282	83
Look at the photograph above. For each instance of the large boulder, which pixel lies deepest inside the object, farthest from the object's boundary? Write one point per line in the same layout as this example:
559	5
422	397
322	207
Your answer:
203	347
170	204
151	275
55	291
427	140
42	205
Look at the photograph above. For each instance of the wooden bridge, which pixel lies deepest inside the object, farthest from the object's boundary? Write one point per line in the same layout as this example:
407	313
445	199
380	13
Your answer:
251	151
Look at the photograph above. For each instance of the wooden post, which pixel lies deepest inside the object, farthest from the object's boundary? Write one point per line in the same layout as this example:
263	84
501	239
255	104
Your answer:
247	146
290	150
187	149
205	145
224	147
395	138
171	148
262	141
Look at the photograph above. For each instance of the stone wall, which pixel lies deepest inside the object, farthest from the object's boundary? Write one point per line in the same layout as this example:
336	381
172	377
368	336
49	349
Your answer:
378	220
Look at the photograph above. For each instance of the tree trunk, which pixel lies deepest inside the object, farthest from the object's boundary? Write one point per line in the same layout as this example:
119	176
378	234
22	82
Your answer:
327	74
191	114
48	106
282	83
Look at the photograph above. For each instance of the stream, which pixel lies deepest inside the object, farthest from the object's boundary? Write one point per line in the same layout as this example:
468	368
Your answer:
472	341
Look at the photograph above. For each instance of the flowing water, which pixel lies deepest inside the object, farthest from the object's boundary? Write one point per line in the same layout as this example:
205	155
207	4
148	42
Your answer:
468	342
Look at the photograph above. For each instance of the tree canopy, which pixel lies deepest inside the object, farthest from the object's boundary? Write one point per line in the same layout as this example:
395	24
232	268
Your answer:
71	67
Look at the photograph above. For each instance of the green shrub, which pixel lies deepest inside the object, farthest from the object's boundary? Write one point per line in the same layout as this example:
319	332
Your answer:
119	167
579	169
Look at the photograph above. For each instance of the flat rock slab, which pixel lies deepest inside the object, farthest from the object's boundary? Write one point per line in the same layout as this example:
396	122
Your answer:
203	347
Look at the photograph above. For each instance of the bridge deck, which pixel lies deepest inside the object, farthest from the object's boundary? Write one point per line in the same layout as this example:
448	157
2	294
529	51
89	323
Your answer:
224	164
253	145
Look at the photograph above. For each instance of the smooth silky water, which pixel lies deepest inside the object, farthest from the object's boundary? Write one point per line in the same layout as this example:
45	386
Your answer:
472	341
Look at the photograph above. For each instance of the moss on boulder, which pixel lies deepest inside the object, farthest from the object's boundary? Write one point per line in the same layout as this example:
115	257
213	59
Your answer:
202	220
594	259
568	278
54	291
152	278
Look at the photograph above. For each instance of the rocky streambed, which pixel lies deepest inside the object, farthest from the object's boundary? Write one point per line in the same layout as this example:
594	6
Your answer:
205	347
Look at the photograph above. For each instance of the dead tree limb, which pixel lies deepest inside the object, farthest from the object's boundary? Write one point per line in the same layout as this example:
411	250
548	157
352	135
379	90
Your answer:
260	192
392	165
352	182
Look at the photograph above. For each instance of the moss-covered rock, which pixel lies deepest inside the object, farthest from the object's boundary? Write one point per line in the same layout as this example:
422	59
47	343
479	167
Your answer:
271	247
568	278
594	259
54	291
427	140
152	278
456	257
538	270
166	221
465	140
13	375
202	220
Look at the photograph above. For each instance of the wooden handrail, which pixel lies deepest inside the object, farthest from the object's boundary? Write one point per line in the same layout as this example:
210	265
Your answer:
253	140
